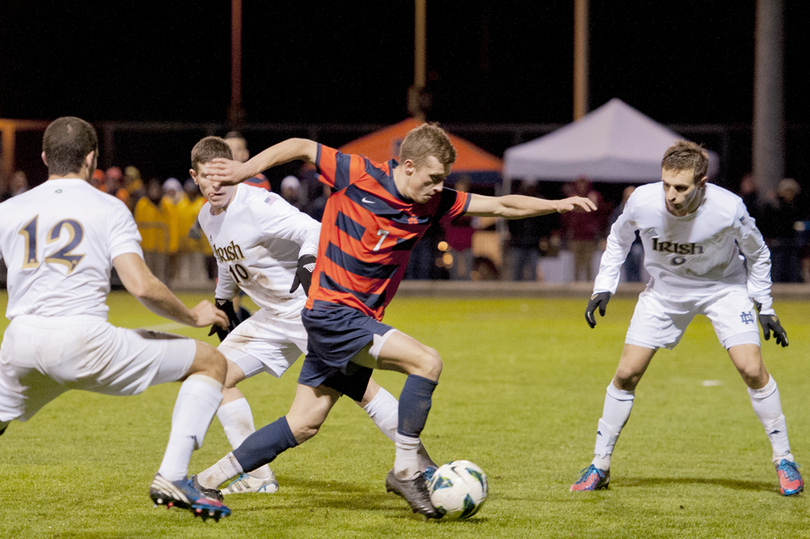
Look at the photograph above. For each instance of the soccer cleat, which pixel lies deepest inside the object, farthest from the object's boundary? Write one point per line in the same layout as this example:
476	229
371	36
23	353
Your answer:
246	483
592	478
790	480
429	472
415	492
213	493
184	495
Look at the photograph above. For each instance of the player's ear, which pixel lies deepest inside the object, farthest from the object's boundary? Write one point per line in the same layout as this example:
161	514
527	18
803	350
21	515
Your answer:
409	165
44	160
702	182
90	160
193	174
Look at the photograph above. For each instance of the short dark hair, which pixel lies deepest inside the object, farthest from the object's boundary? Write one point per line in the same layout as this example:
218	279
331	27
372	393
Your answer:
66	142
686	155
208	149
426	140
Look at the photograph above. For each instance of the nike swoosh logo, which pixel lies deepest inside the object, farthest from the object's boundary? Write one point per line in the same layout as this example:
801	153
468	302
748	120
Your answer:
366	201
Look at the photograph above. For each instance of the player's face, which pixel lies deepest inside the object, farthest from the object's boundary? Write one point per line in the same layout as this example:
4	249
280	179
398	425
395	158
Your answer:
682	194
426	181
218	195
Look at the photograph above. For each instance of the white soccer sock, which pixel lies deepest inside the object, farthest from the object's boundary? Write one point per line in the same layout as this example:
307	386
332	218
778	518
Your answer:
768	407
616	411
227	468
237	421
197	401
406	464
384	411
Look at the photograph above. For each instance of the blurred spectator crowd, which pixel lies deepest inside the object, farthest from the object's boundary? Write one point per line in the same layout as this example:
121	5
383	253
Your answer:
166	209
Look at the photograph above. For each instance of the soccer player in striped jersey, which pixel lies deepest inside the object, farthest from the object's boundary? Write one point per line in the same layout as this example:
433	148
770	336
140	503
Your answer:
705	256
376	215
265	247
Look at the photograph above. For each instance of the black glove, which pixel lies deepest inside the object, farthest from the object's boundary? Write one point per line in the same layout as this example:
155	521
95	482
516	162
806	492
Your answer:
597	300
303	275
770	322
226	306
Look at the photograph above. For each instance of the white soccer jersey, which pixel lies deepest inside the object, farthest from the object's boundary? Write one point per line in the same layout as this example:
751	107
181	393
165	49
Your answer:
697	254
58	241
257	241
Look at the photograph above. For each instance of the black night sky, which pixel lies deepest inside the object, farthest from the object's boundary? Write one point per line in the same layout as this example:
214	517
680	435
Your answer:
686	62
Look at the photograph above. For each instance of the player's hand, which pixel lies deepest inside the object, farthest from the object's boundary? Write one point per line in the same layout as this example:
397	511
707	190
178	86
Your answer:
303	275
770	322
573	203
205	314
225	171
599	300
228	323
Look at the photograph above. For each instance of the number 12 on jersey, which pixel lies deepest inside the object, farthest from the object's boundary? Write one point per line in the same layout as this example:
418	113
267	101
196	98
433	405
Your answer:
65	255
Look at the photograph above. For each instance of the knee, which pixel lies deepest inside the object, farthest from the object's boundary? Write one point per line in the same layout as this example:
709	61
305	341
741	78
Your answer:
430	363
209	362
626	379
304	428
755	376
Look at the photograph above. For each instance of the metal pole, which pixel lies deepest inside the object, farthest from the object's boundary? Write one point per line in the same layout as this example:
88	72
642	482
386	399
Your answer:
769	121
236	113
415	92
581	53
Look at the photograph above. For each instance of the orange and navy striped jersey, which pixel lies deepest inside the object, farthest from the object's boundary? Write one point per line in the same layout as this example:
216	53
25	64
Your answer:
368	231
259	180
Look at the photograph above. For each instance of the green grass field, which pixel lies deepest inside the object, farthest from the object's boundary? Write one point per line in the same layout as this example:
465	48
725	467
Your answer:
522	389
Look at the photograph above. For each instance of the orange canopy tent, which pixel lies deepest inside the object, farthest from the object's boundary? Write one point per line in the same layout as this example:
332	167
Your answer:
382	145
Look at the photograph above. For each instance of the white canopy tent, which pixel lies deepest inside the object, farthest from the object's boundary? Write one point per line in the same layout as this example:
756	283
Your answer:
614	143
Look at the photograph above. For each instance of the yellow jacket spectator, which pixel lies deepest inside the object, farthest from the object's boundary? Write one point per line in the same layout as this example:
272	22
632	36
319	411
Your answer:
156	217
187	210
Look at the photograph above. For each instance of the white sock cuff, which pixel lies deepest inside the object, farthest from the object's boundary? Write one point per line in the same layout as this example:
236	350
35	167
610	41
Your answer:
764	392
407	442
620	394
198	386
205	380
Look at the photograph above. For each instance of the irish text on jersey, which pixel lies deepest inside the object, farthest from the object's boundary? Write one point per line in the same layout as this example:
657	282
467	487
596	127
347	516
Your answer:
676	248
228	253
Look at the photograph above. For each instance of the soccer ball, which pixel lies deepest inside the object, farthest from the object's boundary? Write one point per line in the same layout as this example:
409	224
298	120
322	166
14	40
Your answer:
458	489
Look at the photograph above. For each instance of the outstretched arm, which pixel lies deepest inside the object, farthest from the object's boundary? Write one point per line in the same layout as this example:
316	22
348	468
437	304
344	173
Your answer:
155	296
520	206
231	172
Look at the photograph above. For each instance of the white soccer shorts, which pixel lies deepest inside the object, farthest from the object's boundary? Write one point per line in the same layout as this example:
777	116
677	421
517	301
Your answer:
42	357
265	343
660	322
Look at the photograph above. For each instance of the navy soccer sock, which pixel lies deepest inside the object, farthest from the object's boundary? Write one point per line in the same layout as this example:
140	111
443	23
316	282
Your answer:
265	444
414	405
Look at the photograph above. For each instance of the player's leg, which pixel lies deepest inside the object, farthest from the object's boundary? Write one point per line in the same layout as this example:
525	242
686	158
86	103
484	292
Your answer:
733	316
402	353
383	409
263	343
656	323
767	404
422	364
307	413
236	418
615	413
197	401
